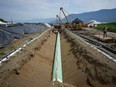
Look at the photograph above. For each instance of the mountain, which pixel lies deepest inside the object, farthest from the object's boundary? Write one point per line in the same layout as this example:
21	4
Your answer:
104	15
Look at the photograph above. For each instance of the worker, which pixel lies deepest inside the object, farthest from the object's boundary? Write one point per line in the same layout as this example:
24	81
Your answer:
104	32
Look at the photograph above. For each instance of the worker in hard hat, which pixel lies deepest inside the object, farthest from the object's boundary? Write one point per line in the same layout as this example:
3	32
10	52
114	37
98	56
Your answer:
104	32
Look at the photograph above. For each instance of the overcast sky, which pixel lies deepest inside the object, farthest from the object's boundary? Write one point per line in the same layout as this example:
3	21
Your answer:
30	9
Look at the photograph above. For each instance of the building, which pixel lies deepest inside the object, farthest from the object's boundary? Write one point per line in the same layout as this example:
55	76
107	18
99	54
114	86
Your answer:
93	23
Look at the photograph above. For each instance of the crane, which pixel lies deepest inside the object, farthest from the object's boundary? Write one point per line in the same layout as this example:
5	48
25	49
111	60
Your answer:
67	24
61	8
60	21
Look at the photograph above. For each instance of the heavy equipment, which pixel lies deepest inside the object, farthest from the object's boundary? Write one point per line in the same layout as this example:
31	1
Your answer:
60	21
76	24
67	24
61	24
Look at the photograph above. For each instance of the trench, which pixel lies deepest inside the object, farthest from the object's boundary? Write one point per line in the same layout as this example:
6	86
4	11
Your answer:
37	71
81	66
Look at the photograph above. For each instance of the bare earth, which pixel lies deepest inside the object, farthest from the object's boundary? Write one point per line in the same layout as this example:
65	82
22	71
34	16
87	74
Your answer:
85	67
16	43
82	65
37	72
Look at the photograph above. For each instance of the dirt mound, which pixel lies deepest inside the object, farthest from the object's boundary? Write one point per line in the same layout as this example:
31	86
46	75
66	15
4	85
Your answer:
85	68
32	66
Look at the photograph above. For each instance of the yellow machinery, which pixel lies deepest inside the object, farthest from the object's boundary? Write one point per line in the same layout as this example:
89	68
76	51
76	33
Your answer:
76	24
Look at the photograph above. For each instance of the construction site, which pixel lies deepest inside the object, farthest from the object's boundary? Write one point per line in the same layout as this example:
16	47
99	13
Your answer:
67	54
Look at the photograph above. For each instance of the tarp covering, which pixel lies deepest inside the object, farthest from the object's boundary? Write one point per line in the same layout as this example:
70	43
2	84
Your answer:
5	38
7	34
31	28
15	31
47	25
2	23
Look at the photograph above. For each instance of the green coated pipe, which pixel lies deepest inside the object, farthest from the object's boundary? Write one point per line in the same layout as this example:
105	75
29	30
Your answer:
57	65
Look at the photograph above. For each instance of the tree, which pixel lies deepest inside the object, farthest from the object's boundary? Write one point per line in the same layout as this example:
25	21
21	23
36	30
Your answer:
2	20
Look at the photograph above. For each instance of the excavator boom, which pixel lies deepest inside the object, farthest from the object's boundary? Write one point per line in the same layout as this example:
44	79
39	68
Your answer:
60	21
61	8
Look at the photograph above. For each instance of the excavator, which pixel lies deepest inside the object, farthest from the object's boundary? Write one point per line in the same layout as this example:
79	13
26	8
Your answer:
60	21
61	24
67	24
76	24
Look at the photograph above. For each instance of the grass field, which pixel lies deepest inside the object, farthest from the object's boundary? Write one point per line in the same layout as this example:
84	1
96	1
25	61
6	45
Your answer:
2	52
111	26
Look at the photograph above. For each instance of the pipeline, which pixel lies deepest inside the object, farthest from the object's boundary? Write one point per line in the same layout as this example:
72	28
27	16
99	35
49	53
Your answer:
99	44
57	63
87	42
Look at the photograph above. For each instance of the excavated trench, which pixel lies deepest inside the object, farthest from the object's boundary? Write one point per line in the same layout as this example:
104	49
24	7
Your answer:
83	66
32	66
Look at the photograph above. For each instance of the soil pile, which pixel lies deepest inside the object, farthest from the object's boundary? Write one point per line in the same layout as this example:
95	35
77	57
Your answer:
84	67
31	67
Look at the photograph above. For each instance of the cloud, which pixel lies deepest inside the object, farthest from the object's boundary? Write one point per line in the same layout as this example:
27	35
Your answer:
28	9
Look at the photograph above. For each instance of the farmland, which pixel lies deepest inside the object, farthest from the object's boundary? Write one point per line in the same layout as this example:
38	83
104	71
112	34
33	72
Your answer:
111	26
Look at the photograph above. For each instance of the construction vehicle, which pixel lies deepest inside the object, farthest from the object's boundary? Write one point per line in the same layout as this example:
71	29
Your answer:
67	24
76	24
60	21
61	24
58	26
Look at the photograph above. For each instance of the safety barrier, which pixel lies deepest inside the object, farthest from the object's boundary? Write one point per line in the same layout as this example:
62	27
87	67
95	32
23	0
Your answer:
57	65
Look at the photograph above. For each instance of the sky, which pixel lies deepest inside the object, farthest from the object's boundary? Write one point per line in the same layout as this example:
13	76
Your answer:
31	9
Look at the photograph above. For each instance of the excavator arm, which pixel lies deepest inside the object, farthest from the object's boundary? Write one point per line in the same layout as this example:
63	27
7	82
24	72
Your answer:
61	8
60	21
